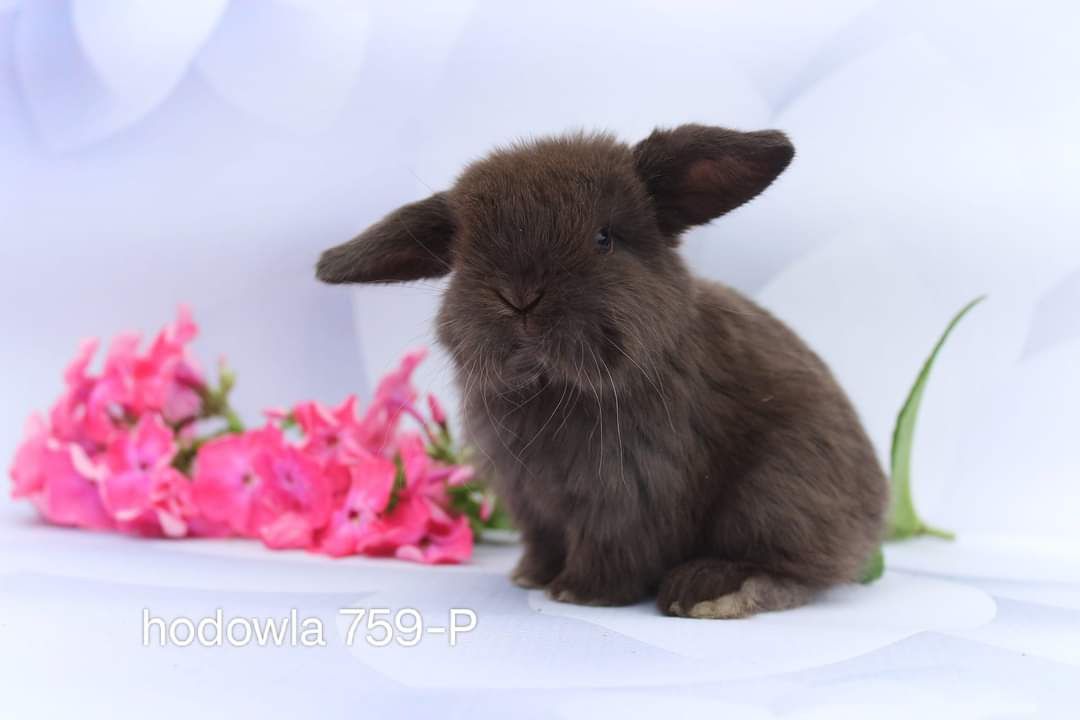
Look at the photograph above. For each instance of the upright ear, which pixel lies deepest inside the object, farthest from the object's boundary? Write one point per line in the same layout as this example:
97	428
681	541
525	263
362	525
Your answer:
411	243
696	173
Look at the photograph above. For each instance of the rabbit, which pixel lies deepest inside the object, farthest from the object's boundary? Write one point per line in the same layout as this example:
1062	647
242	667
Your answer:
650	432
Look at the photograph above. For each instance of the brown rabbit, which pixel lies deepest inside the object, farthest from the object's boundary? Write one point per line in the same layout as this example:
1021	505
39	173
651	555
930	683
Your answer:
650	431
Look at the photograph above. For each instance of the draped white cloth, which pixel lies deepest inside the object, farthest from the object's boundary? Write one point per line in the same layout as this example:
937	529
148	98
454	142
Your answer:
205	151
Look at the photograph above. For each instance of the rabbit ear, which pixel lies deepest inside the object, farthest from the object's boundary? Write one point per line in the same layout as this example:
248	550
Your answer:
696	173
411	243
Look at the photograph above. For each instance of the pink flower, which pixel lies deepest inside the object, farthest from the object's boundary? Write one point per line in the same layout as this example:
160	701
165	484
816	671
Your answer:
104	459
71	495
224	482
393	396
183	400
405	524
68	416
28	469
147	447
415	460
164	379
328	430
92	417
354	525
130	386
450	543
419	527
422	475
183	380
75	375
259	485
453	475
437	412
173	502
276	414
293	500
447	540
141	490
395	388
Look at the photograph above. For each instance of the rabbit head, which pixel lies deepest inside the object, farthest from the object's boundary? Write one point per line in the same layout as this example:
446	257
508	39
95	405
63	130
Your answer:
562	252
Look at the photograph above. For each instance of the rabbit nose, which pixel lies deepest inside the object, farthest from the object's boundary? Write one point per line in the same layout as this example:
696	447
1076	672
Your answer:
522	301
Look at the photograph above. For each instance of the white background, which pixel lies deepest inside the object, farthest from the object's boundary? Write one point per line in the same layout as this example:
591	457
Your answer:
153	153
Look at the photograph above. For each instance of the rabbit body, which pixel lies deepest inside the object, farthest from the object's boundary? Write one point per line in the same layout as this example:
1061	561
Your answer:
649	431
733	457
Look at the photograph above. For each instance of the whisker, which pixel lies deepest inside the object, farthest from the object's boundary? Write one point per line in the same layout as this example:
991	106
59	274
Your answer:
618	424
562	397
577	389
495	428
600	414
659	393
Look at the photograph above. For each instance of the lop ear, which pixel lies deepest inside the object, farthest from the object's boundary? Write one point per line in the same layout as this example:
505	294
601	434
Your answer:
696	173
411	243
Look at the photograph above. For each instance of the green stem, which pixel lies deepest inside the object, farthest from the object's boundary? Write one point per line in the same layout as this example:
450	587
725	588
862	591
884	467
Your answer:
904	520
232	420
936	532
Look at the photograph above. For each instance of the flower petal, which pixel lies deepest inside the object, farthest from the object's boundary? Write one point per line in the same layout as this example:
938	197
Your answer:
126	495
72	495
27	470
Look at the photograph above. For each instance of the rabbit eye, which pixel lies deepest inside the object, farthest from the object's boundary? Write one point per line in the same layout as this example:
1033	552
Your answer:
603	241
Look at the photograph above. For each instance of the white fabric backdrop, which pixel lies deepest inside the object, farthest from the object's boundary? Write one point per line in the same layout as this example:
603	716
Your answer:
146	158
205	151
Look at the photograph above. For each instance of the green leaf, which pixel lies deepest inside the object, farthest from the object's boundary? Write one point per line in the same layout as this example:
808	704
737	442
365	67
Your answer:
398	487
874	568
904	521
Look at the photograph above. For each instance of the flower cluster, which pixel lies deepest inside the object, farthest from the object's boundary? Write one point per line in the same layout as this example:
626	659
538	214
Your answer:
121	450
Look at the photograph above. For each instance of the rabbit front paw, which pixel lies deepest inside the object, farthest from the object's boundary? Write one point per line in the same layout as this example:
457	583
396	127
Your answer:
536	568
582	589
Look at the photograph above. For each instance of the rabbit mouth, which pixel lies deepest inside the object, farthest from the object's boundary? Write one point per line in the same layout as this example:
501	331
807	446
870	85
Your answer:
515	351
532	364
523	366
